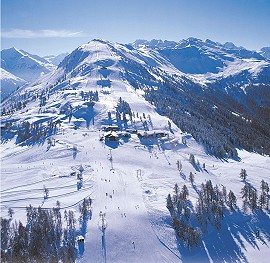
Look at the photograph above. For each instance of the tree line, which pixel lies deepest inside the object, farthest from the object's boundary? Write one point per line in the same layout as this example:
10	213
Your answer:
191	222
47	236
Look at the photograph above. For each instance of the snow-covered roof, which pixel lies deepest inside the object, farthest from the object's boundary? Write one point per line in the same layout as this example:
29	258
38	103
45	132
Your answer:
152	133
110	127
80	238
111	134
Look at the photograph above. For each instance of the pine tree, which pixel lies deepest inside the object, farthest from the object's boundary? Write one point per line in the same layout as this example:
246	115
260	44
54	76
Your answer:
179	206
245	196
209	192
70	253
5	233
243	174
245	192
20	244
169	202
224	193
179	165
192	158
184	193
264	199
109	115
176	194
191	177
10	212
231	200
253	199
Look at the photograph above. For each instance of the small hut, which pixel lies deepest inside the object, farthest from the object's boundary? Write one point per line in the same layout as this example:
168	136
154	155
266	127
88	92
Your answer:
152	134
111	136
111	128
80	239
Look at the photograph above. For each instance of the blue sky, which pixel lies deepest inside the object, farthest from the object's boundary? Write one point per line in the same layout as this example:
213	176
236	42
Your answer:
54	26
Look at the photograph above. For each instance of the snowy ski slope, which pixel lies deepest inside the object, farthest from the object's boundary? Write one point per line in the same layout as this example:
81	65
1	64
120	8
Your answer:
129	179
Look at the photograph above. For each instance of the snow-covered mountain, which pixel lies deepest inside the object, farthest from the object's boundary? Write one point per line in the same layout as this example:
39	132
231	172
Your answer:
24	65
55	60
19	67
236	71
265	51
209	58
9	83
122	124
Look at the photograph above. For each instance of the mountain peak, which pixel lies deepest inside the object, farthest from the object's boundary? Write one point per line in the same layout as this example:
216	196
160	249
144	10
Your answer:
11	51
23	64
230	45
99	40
194	40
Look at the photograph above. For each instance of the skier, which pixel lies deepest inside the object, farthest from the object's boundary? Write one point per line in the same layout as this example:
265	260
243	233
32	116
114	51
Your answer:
133	243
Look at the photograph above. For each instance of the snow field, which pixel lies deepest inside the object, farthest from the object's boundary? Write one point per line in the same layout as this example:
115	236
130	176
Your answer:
128	180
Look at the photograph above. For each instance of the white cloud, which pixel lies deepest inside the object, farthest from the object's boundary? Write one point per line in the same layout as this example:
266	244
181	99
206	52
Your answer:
24	33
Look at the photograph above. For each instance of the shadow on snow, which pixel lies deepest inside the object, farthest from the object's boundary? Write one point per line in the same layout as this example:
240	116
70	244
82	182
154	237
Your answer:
227	244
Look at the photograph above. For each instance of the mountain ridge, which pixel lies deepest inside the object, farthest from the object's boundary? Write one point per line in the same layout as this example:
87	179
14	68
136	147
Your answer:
101	63
9	83
23	64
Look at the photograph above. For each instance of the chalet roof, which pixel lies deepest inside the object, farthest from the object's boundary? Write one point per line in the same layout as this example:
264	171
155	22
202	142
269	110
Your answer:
110	134
110	127
152	133
80	238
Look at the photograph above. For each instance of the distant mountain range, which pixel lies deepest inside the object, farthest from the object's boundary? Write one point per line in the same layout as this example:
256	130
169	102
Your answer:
55	60
211	60
240	51
24	67
224	66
